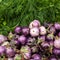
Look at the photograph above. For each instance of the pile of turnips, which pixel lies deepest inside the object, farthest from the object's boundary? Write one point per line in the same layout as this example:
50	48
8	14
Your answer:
35	42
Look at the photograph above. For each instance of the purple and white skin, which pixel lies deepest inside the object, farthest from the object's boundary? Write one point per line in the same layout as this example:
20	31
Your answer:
50	37
45	44
10	58
53	58
34	23
51	43
57	26
57	43
56	51
31	41
16	37
34	32
36	57
2	50
22	39
41	39
59	34
18	29
10	52
52	30
2	38
26	51
25	31
16	42
42	30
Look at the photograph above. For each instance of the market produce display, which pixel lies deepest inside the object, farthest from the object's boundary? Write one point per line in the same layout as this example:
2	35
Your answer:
33	42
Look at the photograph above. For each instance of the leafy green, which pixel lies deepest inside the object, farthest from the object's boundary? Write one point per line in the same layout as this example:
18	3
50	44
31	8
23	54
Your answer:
22	12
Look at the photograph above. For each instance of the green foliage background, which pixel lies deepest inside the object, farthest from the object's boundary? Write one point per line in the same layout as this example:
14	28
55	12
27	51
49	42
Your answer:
22	12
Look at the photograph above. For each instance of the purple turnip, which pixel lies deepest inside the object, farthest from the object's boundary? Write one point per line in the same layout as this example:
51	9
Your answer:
46	47
56	51
42	30
34	32
53	58
18	29
41	39
45	44
59	34
10	58
57	43
22	39
34	23
2	50
2	38
50	37
52	30
25	30
57	26
26	51
31	41
34	49
10	52
36	57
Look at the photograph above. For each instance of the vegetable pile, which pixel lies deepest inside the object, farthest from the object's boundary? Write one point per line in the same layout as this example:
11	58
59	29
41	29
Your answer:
36	42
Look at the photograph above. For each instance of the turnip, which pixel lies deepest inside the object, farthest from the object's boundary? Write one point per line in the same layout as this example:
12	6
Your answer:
50	37
59	34
2	38
53	58
10	58
10	52
56	51
34	23
57	43
45	44
22	39
18	29
31	41
36	57
25	30
57	26
34	49
52	30
42	30
41	39
34	32
2	50
26	52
